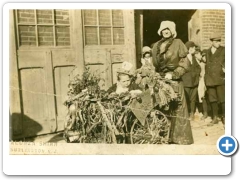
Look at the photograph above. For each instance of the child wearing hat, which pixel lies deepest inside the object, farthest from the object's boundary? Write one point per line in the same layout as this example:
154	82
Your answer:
125	84
191	79
147	69
124	81
146	56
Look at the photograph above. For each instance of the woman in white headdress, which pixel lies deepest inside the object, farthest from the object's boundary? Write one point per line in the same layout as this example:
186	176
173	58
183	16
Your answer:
169	58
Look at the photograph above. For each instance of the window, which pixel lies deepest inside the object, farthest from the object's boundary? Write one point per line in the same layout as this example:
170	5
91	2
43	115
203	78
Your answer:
43	27
103	27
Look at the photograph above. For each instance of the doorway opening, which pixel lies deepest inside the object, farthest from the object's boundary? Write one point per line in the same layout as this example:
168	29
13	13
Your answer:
147	23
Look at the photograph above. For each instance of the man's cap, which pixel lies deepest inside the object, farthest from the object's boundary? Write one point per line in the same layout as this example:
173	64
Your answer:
146	49
215	36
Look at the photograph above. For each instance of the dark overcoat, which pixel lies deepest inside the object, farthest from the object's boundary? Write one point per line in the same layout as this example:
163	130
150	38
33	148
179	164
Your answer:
214	75
191	78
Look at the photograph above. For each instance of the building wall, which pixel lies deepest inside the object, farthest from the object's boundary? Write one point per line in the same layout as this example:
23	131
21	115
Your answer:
57	54
45	30
204	23
194	28
48	48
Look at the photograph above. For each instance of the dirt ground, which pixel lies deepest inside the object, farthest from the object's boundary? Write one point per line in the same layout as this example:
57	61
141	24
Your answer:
205	138
203	134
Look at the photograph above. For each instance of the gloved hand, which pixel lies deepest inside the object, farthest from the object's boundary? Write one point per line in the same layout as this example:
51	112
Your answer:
135	93
168	76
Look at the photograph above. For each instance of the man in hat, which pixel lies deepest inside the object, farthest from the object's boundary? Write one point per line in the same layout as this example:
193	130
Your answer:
191	79
215	77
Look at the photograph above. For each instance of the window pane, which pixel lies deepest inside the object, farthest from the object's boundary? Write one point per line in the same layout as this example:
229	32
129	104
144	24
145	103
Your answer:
63	36
45	36
90	17
104	17
117	17
118	36
44	17
105	36
26	16
27	35
61	16
91	36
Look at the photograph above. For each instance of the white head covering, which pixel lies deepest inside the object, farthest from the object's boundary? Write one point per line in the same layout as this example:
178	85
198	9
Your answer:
146	49
126	68
170	25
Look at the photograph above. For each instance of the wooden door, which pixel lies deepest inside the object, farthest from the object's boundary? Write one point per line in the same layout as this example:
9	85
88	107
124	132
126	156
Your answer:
139	35
47	56
108	41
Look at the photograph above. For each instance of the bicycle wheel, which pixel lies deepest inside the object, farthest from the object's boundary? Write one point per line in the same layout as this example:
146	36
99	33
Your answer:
154	131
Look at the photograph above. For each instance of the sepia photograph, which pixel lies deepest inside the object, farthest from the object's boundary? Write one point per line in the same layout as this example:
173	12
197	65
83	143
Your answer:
116	81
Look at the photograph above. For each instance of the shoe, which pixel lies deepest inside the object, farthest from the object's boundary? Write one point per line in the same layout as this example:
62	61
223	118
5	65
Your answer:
205	116
214	121
191	117
223	120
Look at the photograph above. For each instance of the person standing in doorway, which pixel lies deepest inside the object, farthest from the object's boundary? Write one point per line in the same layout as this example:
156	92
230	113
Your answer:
146	56
191	79
170	60
215	77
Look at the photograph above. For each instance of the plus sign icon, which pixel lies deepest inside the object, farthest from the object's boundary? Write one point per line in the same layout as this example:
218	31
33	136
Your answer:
227	145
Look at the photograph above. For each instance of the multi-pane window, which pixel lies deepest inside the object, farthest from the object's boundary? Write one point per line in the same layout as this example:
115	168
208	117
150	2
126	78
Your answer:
103	27
43	27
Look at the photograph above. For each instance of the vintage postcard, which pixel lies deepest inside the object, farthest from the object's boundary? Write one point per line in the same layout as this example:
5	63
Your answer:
105	80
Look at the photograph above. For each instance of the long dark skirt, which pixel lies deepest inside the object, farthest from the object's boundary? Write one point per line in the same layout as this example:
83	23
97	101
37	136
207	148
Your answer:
181	132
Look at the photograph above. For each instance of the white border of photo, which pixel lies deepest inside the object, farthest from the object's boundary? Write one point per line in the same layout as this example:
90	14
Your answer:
114	164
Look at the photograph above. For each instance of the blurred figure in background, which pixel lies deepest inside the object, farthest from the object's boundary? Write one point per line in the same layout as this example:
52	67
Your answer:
201	60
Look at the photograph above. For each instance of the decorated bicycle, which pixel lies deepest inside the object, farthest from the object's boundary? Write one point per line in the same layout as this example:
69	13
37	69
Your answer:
135	116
